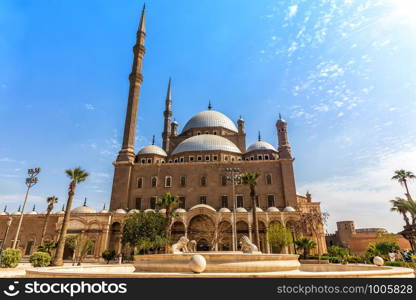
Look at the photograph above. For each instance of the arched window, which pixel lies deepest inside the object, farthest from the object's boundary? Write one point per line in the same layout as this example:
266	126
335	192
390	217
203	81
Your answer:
203	181
143	161
269	179
154	181
182	202
168	181
139	182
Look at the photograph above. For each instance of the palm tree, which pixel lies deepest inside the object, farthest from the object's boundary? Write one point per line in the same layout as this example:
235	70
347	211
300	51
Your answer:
399	205
250	179
76	175
51	202
402	176
168	202
305	245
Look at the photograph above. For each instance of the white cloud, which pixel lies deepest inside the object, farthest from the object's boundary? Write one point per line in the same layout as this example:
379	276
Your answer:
89	106
364	196
292	10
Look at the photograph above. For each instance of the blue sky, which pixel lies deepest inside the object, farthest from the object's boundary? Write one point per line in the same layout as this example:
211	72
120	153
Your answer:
342	73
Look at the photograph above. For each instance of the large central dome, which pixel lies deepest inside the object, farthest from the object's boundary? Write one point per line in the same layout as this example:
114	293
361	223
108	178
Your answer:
206	142
210	118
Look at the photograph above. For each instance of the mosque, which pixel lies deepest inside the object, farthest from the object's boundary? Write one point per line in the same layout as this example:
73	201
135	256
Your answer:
200	163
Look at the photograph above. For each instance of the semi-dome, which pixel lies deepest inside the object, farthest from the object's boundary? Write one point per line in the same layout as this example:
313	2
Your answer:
203	206
83	210
224	210
120	211
240	209
149	210
162	211
180	211
3	213
152	149
289	209
134	211
260	145
32	212
273	209
206	142
210	118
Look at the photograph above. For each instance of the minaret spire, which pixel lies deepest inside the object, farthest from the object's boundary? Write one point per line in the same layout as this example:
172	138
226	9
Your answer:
153	140
136	78
167	118
85	201
209	105
259	137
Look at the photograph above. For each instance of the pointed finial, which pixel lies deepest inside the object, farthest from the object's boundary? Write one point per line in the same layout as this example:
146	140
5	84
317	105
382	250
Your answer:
104	207
34	207
259	137
209	105
153	140
85	201
20	207
63	207
280	116
5	208
169	92
142	26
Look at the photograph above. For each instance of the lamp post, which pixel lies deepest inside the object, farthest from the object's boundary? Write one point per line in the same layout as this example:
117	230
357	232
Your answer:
9	222
233	176
30	181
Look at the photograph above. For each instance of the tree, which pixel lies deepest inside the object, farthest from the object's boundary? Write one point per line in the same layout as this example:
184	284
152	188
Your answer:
47	247
314	221
51	202
144	231
279	236
339	252
400	205
305	245
250	179
381	249
83	246
402	176
109	255
76	175
168	202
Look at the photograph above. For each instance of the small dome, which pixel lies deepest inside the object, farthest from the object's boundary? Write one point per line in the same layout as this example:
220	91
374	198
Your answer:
210	118
273	209
120	211
134	211
104	211
180	211
152	149
149	210
162	211
289	209
206	142
202	206
17	213
32	212
61	212
240	209
44	212
224	210
258	209
83	210
260	145
4	213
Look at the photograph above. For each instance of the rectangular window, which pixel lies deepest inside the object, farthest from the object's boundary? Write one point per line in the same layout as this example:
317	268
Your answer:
183	181
139	182
202	199
181	203
153	203
203	181
270	201
29	247
139	203
154	181
240	201
268	179
224	201
257	201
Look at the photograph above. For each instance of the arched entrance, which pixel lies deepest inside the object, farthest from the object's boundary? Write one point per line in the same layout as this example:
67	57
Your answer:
291	225
224	236
115	237
262	236
242	229
274	249
177	230
202	229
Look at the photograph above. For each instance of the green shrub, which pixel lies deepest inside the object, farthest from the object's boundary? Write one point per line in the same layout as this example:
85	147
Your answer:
109	255
40	259
396	263
10	258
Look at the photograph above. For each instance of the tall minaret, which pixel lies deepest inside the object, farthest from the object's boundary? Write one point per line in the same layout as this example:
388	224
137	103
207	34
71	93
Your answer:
168	116
284	147
136	78
120	195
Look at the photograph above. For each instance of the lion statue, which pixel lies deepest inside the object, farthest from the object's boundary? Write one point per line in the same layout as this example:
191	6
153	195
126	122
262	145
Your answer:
192	246
247	246
181	246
